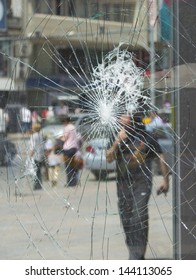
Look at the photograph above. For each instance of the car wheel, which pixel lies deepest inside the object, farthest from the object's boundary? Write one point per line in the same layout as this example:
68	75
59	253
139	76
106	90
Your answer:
100	174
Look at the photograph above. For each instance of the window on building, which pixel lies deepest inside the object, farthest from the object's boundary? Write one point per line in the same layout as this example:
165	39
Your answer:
4	47
9	8
74	62
122	12
106	11
71	8
59	7
117	12
93	9
54	7
43	7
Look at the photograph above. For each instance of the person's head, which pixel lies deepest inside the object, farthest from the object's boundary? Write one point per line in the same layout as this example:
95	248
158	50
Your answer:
65	119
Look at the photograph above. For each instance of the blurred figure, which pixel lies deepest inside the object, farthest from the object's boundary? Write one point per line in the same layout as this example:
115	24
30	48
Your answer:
50	113
35	117
78	110
53	162
70	149
44	115
25	118
155	122
8	151
63	109
4	122
36	151
167	106
134	149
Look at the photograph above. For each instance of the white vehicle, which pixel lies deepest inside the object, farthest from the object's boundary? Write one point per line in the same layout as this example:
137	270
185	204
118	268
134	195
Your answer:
95	158
95	153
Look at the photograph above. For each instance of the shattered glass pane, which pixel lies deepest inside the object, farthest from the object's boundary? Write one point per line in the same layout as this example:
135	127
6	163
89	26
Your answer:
102	59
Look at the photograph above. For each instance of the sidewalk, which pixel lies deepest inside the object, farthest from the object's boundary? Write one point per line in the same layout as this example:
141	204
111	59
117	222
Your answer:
73	223
17	136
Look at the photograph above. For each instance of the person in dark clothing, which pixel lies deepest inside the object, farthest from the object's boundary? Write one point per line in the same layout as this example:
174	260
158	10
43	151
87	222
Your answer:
134	150
36	152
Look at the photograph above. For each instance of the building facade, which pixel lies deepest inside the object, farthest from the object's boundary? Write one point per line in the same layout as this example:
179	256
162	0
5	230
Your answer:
47	42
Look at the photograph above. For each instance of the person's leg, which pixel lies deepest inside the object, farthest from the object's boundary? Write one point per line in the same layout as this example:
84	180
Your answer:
72	176
29	126
137	241
38	178
50	171
72	173
55	174
23	127
133	210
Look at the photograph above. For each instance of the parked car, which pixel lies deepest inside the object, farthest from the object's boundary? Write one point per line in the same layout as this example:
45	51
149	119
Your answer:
95	159
95	150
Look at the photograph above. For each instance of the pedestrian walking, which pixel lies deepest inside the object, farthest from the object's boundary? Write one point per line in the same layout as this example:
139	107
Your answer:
35	118
4	121
155	122
53	161
62	109
36	152
26	119
134	150
70	150
50	114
